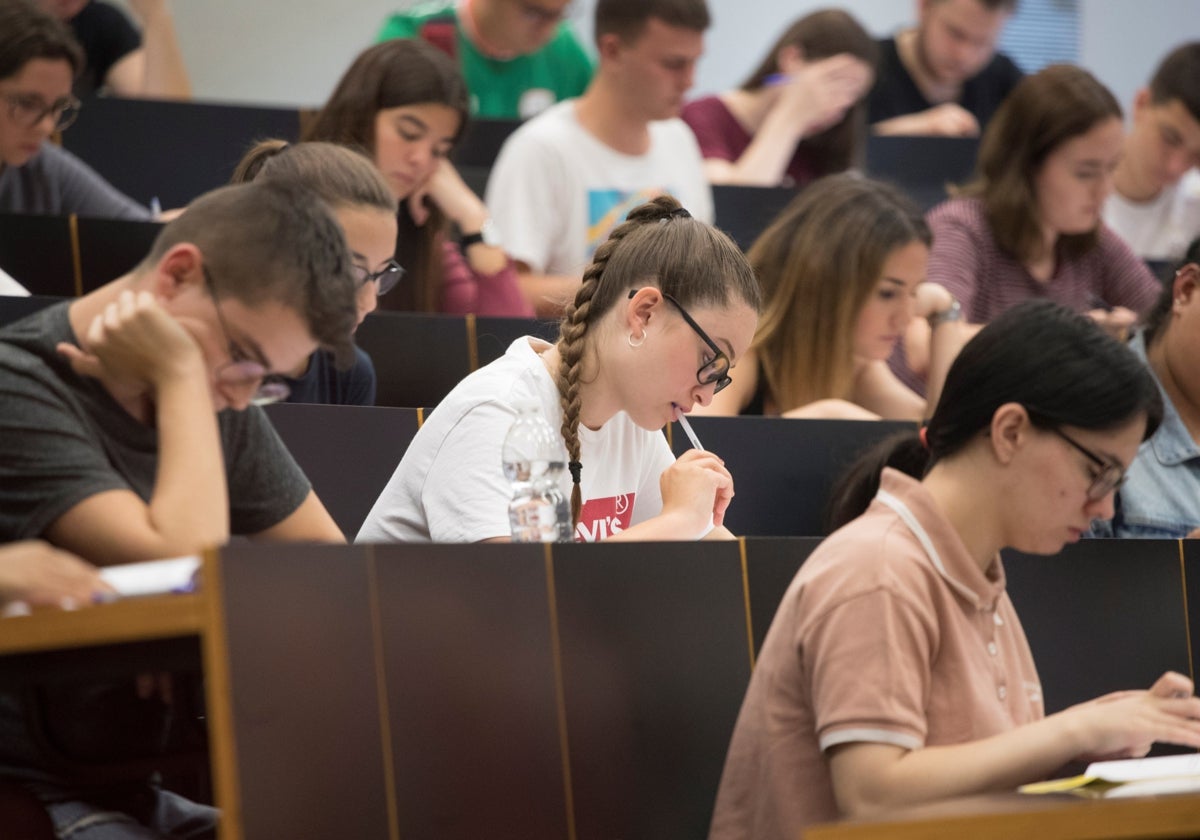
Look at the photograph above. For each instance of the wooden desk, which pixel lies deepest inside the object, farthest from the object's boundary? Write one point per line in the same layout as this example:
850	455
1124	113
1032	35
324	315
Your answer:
1012	815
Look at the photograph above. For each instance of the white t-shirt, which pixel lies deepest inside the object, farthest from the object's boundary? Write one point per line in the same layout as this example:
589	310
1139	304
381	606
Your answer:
556	192
1160	229
450	487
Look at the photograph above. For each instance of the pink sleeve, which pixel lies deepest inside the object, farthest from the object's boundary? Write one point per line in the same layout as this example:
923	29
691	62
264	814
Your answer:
1128	281
703	117
464	290
955	260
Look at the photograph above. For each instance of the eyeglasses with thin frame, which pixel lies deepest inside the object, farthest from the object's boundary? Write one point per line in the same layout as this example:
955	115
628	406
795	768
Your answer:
387	277
29	109
1110	475
242	371
714	372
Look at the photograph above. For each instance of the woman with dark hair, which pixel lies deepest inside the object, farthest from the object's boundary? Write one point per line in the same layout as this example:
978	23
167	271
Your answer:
800	115
666	308
39	59
1161	498
406	103
896	671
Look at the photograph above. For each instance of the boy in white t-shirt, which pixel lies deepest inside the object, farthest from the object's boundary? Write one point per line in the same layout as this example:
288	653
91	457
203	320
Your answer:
1155	205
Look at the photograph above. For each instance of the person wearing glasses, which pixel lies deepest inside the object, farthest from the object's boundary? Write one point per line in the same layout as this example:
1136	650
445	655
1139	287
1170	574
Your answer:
39	59
406	103
518	56
896	671
843	273
1161	499
130	432
666	308
366	209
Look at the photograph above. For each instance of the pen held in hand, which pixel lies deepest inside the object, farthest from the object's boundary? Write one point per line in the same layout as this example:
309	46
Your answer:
687	430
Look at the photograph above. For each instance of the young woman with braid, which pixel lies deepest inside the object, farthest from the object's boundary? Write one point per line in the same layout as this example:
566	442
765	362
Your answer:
666	308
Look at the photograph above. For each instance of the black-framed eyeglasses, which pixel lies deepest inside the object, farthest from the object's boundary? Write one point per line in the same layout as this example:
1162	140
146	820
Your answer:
29	109
242	371
1110	475
716	371
387	277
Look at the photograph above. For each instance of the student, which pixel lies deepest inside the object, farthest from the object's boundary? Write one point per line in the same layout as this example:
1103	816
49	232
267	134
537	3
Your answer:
564	180
519	57
800	115
129	431
119	59
1029	224
1155	203
363	204
843	271
405	102
896	671
944	76
38	60
1161	498
667	306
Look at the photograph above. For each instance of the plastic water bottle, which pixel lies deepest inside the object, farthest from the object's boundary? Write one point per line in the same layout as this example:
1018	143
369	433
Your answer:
534	458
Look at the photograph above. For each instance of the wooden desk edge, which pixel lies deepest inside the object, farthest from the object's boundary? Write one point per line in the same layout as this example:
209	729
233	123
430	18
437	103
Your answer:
130	620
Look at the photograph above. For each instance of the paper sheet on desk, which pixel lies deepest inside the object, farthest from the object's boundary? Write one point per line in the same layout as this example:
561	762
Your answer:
154	577
1131	777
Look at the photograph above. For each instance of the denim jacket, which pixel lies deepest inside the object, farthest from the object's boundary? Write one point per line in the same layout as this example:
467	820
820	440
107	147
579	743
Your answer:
1161	496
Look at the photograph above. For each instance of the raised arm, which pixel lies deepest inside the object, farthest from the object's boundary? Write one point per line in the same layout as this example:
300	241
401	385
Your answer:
156	69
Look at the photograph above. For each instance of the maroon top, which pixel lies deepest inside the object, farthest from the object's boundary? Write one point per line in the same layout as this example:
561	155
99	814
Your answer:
465	290
721	136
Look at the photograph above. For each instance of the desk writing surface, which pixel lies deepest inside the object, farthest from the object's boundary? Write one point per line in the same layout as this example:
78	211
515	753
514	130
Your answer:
1004	816
129	620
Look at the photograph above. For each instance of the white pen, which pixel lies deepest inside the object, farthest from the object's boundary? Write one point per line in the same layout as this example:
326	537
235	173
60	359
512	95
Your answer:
687	430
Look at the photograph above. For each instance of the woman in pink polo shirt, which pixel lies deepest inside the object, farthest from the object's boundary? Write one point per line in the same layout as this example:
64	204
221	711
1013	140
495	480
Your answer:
896	670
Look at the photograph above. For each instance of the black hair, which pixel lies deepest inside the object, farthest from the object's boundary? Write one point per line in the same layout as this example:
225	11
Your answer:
1154	321
1060	365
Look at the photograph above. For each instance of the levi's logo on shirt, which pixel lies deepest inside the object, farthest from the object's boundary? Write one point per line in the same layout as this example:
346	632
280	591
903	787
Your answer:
601	518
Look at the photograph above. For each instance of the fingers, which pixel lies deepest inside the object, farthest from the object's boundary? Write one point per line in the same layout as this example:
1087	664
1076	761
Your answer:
1172	685
417	208
84	364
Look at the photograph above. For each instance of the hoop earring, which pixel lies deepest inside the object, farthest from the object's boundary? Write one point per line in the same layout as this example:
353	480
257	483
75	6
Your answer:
637	343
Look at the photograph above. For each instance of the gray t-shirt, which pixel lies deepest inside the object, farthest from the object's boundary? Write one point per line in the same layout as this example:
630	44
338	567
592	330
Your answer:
63	439
56	183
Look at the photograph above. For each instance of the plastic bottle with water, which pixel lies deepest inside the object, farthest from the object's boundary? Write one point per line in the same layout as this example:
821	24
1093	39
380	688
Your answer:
534	458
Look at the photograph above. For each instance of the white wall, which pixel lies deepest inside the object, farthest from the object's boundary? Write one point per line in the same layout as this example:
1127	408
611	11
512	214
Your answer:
292	51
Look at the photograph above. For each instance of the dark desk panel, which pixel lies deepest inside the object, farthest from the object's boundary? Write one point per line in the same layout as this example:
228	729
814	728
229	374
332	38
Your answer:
174	151
655	663
418	358
109	248
1103	615
348	452
305	694
771	563
493	335
783	469
468	661
14	308
745	212
481	142
36	251
922	166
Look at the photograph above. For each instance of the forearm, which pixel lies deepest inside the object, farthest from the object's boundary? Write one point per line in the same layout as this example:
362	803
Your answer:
945	342
766	159
189	508
664	527
165	74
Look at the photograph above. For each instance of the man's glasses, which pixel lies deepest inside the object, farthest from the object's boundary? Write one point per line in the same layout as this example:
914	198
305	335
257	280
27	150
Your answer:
242	372
29	109
1109	475
387	277
716	371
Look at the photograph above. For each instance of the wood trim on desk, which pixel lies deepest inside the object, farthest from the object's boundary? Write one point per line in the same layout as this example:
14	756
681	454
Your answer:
1004	816
130	620
218	691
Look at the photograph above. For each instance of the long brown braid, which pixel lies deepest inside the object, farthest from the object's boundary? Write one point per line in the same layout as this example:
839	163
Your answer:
658	243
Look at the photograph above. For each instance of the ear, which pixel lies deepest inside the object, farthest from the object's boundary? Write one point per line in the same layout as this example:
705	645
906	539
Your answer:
1010	431
608	46
178	270
1186	284
789	59
1141	101
641	308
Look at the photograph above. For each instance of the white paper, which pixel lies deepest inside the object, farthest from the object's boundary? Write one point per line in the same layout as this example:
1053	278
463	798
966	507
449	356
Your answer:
1139	769
154	577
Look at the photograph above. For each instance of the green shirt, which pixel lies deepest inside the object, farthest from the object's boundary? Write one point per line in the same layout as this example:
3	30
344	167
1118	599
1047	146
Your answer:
514	89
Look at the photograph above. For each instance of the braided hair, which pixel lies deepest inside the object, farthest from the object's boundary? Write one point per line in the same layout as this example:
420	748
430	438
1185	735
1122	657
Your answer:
659	244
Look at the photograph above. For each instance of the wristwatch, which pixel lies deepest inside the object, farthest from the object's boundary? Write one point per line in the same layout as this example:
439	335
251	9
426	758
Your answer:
951	313
487	234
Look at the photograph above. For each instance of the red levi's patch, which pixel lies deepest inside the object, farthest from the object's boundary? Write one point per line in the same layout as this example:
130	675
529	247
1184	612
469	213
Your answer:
602	518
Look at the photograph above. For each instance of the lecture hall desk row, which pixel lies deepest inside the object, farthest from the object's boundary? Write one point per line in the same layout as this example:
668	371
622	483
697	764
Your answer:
569	691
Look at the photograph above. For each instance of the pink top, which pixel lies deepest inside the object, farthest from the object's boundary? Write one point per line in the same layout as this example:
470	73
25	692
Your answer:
465	290
877	640
986	280
722	137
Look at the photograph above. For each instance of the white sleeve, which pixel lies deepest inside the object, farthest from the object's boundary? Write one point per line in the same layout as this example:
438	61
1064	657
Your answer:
695	191
524	191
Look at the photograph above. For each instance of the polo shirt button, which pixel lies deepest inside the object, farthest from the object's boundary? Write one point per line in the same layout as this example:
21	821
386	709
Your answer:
992	649
1002	692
